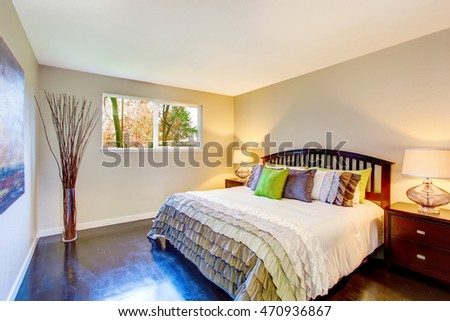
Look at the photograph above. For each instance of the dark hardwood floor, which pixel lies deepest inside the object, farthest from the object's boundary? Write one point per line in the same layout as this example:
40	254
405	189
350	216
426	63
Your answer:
117	263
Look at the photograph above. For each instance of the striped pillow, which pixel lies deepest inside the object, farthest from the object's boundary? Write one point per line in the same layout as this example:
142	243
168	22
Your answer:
348	183
339	188
329	188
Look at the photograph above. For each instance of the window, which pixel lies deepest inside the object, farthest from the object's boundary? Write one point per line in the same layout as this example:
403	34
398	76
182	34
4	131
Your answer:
130	122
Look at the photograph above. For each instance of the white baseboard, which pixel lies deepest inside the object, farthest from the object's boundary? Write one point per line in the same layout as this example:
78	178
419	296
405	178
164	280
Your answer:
23	270
100	223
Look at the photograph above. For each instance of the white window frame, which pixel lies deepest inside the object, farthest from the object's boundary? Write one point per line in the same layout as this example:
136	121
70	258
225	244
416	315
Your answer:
156	146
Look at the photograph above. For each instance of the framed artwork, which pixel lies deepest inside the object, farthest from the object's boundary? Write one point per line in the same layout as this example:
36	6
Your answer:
12	100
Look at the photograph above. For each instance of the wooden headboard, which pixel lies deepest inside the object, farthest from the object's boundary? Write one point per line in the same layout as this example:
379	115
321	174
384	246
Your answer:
379	185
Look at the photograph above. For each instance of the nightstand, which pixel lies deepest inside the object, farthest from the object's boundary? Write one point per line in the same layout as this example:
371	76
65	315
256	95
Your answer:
233	182
420	242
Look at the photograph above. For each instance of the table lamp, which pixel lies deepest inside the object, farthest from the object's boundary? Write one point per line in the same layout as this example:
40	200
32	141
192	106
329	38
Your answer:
245	158
427	163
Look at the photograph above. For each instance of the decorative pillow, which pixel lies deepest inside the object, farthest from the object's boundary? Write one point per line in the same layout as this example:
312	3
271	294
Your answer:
318	180
329	187
364	173
339	188
254	177
271	183
347	187
299	185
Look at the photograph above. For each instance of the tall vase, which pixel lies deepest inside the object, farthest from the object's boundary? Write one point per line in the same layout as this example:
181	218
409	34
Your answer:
70	216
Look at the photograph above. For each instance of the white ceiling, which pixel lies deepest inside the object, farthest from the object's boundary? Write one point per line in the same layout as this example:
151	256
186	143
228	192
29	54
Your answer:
221	46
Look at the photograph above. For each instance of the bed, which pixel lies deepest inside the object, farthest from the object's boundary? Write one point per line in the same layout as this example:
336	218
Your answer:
259	248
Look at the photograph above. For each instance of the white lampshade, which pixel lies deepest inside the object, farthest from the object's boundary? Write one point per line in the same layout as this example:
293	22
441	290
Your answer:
240	158
427	163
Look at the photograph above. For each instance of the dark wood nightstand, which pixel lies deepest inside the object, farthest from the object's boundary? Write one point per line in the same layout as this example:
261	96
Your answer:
233	182
420	242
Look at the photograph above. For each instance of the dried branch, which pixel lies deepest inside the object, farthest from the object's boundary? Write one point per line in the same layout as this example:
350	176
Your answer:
74	123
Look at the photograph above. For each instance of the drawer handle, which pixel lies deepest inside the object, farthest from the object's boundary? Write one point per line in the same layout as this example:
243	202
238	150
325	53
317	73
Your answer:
421	257
420	232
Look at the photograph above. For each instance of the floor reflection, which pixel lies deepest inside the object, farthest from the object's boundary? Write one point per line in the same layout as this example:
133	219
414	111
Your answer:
112	263
159	291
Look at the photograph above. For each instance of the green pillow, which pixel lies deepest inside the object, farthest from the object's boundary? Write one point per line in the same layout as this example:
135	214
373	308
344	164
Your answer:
364	173
271	183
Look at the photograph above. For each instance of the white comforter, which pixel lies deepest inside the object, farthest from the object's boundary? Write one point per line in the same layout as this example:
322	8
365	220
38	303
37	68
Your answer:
341	236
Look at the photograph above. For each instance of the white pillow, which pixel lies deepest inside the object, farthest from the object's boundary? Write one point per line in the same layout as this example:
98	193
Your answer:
318	181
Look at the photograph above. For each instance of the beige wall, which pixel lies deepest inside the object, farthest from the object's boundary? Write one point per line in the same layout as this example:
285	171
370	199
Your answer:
111	195
17	223
381	103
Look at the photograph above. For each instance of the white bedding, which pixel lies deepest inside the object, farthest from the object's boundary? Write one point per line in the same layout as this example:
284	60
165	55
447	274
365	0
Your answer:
346	235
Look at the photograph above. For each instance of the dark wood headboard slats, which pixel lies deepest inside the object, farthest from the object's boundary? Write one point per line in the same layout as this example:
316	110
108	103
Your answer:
341	160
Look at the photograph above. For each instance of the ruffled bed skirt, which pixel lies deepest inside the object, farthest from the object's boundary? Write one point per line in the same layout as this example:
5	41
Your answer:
226	262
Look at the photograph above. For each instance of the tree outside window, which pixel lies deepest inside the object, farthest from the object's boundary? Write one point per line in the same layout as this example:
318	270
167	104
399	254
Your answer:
136	122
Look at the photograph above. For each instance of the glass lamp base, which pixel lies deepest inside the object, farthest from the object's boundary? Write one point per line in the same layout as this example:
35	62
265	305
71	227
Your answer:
428	209
428	197
242	173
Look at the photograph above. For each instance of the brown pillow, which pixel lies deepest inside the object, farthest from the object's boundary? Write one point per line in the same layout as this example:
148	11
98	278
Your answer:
347	187
299	185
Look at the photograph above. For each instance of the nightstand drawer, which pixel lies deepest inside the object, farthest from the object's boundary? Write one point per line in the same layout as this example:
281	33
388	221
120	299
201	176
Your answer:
429	233
233	183
434	262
